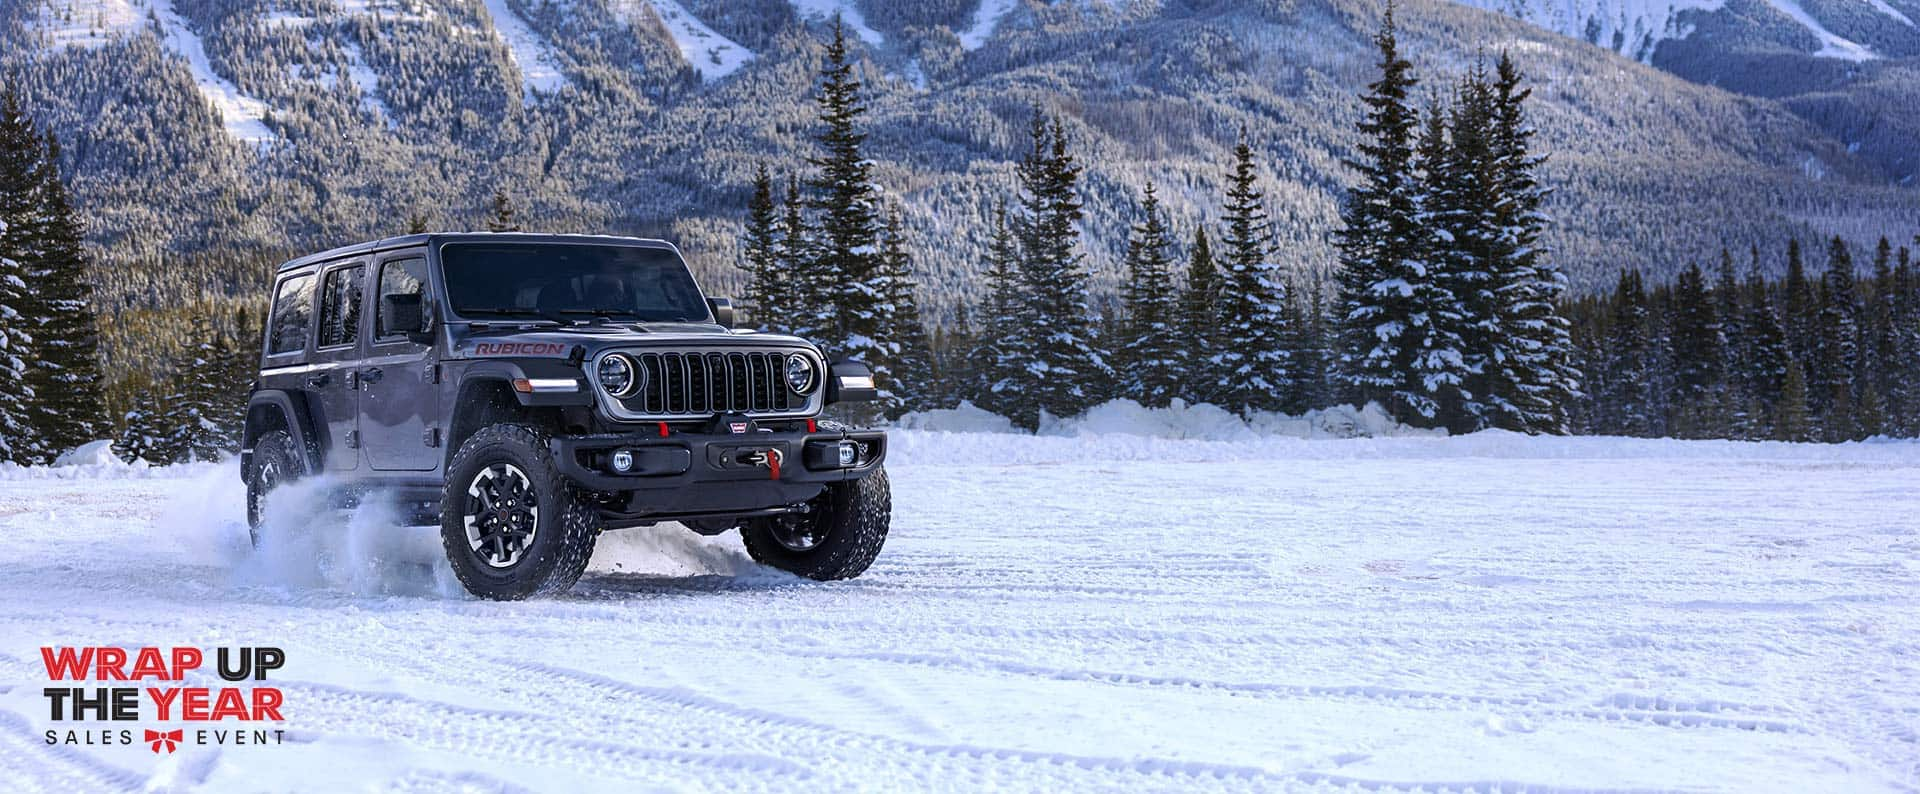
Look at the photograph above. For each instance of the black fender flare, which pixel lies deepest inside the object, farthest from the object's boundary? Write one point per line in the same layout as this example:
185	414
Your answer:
292	410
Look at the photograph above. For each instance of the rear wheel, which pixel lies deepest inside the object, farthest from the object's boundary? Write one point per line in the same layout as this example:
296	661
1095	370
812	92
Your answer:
837	538
275	462
510	522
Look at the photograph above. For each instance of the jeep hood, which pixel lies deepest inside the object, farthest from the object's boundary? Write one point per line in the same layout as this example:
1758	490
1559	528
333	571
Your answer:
550	342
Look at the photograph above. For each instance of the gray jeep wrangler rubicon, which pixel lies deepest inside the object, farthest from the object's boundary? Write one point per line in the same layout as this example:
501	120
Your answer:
526	392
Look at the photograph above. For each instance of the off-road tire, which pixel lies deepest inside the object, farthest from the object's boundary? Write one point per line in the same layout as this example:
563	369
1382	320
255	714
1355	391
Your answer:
275	462
854	517
564	527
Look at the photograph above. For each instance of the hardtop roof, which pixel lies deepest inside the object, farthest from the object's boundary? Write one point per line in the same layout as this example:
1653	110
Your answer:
412	240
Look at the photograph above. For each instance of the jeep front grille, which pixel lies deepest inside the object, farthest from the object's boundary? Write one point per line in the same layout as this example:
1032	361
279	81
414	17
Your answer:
698	384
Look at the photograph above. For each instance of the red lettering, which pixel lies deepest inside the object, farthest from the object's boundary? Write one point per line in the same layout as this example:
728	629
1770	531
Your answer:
162	700
149	664
266	704
66	664
112	664
185	659
229	704
193	706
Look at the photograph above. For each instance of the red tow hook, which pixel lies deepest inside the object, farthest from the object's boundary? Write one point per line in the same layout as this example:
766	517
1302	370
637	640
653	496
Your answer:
770	459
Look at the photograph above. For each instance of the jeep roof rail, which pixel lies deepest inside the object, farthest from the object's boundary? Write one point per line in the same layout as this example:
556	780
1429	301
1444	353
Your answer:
410	240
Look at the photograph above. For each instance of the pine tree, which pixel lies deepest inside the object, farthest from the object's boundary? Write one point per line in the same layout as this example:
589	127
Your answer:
1382	243
417	223
1792	422
1728	314
20	183
1149	352
1630	366
909	351
1837	353
1200	324
1800	305
999	357
1253	352
1881	367
143	435
845	267
1698	355
1767	356
1476	262
69	403
1544	378
202	419
810	301
1438	323
1903	398
501	216
1065	365
1306	340
769	289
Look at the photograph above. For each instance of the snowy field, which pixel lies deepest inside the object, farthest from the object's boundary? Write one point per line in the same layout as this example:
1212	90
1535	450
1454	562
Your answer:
1101	612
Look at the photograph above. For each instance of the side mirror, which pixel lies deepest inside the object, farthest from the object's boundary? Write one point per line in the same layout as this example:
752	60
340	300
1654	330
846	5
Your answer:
850	382
407	314
722	311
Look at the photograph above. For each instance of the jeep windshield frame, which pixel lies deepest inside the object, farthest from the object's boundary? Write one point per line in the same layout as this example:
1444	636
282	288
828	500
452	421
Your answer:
512	281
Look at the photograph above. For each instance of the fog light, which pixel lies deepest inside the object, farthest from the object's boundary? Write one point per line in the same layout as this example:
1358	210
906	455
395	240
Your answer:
623	461
849	453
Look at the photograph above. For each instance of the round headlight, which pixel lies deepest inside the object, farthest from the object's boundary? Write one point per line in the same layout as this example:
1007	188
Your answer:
799	374
619	376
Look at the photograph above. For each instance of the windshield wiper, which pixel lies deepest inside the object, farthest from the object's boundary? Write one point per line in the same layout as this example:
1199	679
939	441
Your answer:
516	311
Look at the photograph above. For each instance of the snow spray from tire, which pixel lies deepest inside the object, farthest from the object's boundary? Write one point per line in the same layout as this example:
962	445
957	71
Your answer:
309	544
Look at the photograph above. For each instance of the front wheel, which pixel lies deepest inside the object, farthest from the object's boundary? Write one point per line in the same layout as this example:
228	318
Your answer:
837	538
509	520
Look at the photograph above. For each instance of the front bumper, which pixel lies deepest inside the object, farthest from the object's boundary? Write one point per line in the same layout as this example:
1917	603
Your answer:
704	474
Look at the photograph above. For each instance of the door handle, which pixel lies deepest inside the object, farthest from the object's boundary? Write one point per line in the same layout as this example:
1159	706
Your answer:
317	381
370	375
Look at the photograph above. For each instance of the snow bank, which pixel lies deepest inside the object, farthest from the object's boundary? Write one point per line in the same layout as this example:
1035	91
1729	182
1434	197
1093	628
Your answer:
967	418
92	453
1177	421
1124	430
95	460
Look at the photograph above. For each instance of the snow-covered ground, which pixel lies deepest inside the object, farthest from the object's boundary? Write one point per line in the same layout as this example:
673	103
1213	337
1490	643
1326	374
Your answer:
1084	611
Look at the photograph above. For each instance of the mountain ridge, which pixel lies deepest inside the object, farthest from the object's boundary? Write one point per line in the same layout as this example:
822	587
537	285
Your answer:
635	138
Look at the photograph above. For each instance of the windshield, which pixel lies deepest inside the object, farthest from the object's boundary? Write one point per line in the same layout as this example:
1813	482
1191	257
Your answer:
569	282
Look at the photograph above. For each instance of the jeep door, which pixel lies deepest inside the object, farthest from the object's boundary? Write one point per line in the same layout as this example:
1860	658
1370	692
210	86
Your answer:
333	382
400	392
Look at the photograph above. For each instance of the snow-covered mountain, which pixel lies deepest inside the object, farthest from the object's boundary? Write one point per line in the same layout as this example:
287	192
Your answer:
1851	67
296	124
1842	29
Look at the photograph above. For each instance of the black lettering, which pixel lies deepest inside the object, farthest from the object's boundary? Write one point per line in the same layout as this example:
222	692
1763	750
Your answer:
266	659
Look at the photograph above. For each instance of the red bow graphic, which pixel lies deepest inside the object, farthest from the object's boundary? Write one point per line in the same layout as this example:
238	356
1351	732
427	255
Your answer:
169	738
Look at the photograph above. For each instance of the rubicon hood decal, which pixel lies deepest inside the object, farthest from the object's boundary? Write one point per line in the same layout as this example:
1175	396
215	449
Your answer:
522	349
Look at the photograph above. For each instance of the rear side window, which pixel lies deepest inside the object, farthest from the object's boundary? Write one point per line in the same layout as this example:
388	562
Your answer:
292	316
405	279
340	307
